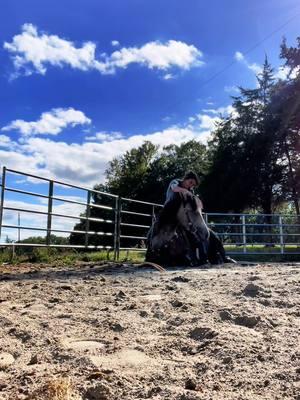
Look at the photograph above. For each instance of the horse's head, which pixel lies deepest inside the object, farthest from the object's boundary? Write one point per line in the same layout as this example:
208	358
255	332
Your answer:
190	217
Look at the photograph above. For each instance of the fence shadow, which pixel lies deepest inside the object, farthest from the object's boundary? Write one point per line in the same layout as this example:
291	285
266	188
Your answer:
84	272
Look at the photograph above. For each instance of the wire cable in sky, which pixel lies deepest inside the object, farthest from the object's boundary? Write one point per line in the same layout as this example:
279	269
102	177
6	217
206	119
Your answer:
250	49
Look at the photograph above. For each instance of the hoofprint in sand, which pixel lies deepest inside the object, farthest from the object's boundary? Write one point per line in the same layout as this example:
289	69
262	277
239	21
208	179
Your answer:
119	333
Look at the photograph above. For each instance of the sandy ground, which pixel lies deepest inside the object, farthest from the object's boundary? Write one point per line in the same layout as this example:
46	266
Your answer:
118	333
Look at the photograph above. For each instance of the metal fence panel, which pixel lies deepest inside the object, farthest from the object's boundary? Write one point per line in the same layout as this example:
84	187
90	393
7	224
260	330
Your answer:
131	219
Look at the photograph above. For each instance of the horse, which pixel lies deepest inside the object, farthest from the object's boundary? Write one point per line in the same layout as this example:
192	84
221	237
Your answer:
183	241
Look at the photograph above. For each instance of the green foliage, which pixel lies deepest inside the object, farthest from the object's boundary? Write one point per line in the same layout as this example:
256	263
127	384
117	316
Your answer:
130	171
291	55
253	160
143	173
66	257
60	240
41	255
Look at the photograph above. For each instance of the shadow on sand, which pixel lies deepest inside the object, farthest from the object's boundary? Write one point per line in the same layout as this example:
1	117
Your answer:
90	270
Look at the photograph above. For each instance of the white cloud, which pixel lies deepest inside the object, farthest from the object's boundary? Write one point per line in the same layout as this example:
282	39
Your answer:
252	66
115	43
50	123
32	220
20	160
157	55
32	51
167	77
220	111
207	122
210	117
239	56
5	141
85	164
231	89
105	136
284	72
257	69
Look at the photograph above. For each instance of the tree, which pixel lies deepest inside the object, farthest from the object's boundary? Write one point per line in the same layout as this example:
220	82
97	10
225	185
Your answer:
286	105
291	55
127	175
142	173
244	153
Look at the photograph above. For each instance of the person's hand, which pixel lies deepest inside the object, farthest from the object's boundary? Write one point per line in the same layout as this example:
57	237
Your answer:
186	193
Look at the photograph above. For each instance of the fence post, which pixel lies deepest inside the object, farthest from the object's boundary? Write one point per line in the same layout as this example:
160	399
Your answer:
49	215
2	196
206	218
117	228
244	234
281	235
87	221
19	229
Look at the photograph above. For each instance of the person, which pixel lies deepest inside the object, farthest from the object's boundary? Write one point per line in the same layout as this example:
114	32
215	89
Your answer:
186	186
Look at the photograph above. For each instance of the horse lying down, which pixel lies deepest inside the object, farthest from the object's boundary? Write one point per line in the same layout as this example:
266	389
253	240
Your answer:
185	241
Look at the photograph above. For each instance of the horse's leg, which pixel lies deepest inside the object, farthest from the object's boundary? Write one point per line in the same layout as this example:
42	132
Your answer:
216	251
203	251
189	253
159	243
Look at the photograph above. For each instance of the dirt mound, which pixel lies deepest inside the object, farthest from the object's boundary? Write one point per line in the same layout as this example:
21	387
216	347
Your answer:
96	334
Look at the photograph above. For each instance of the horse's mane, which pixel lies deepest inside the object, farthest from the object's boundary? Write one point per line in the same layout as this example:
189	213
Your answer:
193	201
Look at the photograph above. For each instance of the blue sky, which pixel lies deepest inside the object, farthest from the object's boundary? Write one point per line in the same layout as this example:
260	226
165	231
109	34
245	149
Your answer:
83	81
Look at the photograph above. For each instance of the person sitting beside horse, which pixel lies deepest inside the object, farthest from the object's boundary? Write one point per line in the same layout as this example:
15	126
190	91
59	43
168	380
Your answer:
176	189
207	242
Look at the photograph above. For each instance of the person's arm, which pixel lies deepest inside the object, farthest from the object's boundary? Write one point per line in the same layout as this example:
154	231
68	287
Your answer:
177	189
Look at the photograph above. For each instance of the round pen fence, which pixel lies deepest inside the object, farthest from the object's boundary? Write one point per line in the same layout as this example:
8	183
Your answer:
60	214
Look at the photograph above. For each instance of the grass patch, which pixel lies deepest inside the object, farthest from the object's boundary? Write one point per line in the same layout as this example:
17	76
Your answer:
70	256
64	256
272	254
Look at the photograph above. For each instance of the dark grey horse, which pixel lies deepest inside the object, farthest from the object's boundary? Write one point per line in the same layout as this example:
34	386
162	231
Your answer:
183	241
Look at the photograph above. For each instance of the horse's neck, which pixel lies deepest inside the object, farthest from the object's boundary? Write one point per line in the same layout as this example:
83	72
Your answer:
199	204
196	215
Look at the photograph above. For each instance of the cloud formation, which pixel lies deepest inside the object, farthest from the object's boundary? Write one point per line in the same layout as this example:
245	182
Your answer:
5	141
105	136
33	52
210	117
31	220
50	123
281	73
252	66
85	163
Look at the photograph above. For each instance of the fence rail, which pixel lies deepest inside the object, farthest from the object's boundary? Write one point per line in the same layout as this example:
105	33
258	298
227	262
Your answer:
116	223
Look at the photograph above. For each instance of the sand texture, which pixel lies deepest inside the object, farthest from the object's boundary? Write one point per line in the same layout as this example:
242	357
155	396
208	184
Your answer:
100	332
